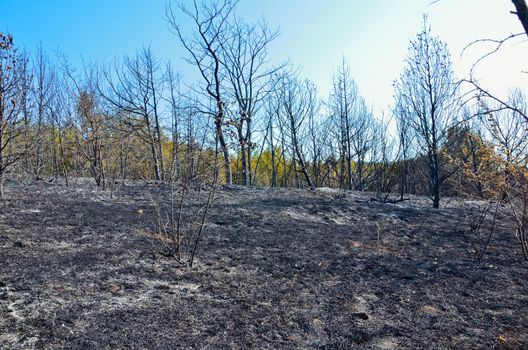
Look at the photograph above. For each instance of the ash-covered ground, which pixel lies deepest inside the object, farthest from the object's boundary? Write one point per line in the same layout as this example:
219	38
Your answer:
275	269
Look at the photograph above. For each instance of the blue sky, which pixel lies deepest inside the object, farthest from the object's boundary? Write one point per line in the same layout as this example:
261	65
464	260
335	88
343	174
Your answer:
372	35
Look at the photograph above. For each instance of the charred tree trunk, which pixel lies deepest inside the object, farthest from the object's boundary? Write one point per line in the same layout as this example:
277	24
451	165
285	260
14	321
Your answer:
223	144
243	157
522	13
300	157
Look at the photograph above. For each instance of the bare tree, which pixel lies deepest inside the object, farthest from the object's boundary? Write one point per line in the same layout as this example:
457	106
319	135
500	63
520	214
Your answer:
363	140
44	77
60	116
507	127
299	99
155	82
427	89
273	112
245	58
382	160
316	136
405	143
12	121
173	80
90	138
204	47
342	102
135	89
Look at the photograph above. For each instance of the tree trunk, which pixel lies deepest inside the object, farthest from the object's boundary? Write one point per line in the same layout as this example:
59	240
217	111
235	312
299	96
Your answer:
55	161
403	184
284	165
158	137
303	166
522	13
175	155
348	153
359	166
1	182
249	165
273	169
435	180
223	144
342	166
63	163
273	166
157	176
243	155
160	151
227	164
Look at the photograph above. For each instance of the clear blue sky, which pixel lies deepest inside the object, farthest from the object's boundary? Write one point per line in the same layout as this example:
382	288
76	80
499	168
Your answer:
372	35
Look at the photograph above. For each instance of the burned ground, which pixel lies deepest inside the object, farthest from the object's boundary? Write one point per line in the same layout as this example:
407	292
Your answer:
276	269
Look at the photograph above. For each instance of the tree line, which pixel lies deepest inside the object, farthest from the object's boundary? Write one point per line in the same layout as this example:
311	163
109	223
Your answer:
267	124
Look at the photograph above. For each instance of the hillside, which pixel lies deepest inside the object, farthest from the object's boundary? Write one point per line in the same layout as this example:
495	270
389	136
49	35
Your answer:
275	269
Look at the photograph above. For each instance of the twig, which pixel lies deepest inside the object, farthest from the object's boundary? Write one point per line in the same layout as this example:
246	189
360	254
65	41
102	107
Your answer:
492	228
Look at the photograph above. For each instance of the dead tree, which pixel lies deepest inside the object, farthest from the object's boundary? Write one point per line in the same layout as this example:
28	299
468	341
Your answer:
173	80
59	117
298	99
382	159
87	117
272	111
204	48
316	136
245	58
134	89
428	89
342	102
354	126
403	115
363	139
12	121
44	76
154	83
507	127
90	137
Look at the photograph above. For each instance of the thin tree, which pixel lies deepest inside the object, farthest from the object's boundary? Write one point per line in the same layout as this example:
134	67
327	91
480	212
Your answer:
342	103
298	102
428	89
135	88
204	48
405	143
44	76
245	59
12	121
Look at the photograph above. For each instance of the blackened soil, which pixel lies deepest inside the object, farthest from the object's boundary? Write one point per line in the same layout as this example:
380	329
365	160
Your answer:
275	269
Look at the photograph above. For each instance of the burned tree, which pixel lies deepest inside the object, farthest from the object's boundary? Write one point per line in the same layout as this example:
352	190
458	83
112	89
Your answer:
204	48
507	127
89	140
427	89
244	58
12	121
134	89
405	143
342	99
354	126
298	100
44	77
